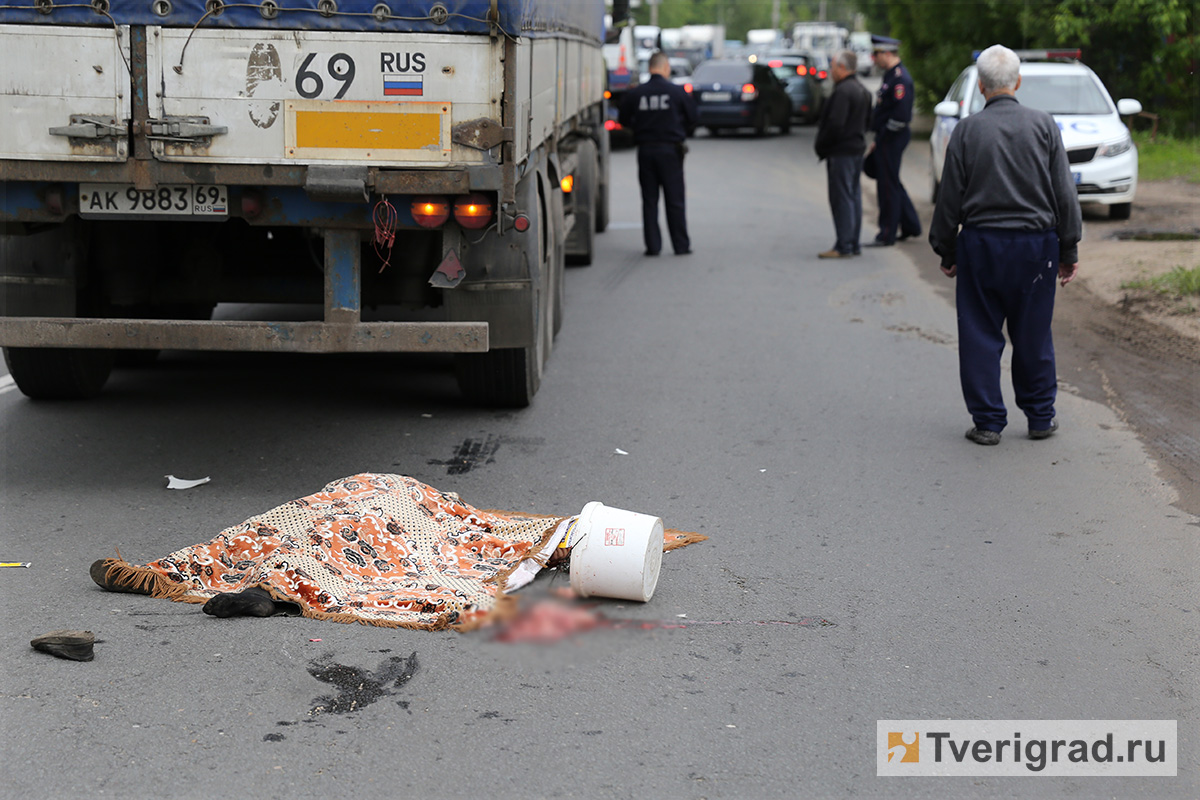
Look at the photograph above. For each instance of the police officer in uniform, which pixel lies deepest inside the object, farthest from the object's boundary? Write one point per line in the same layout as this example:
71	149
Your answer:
660	113
893	114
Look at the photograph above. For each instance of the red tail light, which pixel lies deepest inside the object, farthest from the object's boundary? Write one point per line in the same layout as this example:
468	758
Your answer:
801	70
774	63
473	211
687	87
822	75
611	125
749	92
430	212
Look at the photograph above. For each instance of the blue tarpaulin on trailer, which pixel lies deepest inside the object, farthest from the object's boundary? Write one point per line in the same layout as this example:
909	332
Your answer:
534	18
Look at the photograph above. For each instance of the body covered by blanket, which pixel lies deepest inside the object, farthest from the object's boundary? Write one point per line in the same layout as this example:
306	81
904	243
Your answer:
378	549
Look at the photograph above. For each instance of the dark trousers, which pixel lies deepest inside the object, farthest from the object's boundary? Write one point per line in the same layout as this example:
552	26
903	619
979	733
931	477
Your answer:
1006	275
845	200
895	209
660	165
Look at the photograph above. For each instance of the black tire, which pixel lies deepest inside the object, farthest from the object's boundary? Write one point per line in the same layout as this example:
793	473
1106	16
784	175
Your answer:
500	378
59	373
510	377
603	152
1120	210
760	123
935	185
582	241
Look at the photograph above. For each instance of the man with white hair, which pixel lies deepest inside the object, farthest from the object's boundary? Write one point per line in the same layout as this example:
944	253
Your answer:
1007	183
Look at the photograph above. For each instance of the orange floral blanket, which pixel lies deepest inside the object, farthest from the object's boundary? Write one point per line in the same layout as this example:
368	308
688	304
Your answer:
377	549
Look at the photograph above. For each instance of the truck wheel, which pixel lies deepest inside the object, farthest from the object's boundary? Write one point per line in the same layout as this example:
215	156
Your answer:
581	244
1120	210
59	373
509	377
602	175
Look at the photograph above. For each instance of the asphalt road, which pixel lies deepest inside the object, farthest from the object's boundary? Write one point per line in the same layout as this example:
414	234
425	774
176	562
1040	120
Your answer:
803	414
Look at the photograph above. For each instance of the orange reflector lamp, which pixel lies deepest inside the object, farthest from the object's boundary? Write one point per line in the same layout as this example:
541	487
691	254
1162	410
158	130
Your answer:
801	70
607	94
473	211
430	212
567	183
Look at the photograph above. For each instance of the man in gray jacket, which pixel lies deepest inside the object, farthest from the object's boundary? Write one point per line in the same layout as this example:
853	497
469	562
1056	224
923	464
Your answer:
841	141
1007	182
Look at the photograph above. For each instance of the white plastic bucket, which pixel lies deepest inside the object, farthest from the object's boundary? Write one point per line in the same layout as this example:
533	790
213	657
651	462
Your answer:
619	554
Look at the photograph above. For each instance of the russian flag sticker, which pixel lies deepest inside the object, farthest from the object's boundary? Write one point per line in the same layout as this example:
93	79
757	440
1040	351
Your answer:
403	85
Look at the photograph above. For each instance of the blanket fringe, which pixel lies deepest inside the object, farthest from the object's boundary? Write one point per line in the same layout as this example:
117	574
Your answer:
673	538
143	580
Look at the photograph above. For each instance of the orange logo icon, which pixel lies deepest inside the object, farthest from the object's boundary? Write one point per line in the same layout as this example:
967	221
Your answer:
906	746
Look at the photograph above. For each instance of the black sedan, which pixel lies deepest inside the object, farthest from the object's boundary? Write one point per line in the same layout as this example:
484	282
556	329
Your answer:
739	94
802	80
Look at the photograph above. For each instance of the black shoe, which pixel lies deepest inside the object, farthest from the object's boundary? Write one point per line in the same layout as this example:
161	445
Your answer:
683	252
74	645
906	236
1045	433
879	243
983	437
253	602
650	253
109	574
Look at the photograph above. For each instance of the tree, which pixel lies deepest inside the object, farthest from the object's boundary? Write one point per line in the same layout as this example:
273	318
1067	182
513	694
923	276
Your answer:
1146	49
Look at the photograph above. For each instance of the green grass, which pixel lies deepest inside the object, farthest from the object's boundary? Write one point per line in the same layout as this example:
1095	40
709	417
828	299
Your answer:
1179	282
1167	158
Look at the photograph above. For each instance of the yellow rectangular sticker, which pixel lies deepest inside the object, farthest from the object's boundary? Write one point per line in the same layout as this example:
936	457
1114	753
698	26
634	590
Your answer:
397	131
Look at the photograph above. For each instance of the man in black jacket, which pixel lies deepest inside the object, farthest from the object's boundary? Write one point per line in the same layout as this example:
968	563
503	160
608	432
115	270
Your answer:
661	114
841	142
1007	223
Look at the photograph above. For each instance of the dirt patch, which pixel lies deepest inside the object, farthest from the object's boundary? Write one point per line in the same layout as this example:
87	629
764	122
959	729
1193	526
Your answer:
1115	253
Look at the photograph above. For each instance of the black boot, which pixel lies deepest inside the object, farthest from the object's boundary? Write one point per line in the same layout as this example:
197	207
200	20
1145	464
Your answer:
75	645
254	602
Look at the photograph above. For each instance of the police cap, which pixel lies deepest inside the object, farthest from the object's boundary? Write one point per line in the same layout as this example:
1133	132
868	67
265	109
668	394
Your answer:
884	44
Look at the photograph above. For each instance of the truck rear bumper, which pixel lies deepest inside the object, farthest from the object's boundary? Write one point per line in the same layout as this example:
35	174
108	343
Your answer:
275	337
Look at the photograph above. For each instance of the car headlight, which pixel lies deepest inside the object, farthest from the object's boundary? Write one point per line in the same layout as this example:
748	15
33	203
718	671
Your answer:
1116	148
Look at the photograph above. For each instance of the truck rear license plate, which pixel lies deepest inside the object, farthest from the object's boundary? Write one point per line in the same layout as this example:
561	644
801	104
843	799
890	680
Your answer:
116	199
715	97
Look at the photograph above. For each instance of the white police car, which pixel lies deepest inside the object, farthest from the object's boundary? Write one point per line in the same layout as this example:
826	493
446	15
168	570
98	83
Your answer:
1103	158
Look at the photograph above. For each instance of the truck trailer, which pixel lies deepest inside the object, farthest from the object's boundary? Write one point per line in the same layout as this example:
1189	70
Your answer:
433	164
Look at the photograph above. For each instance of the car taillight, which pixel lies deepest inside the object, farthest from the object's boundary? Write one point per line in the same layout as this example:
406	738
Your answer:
473	211
773	63
801	70
687	87
611	125
749	92
822	75
430	212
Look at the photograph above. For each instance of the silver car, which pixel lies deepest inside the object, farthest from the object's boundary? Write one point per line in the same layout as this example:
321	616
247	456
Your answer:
1104	160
